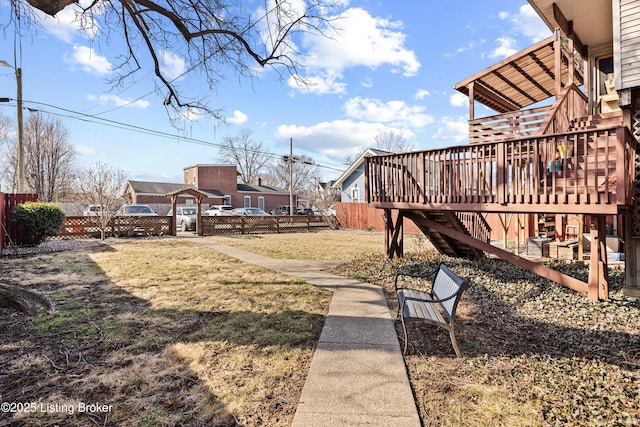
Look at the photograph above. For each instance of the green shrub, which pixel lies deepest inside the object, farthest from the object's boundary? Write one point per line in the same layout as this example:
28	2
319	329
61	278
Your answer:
37	220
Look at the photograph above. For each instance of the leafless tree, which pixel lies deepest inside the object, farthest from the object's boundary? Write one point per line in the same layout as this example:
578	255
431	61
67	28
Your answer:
304	175
213	36
49	158
249	156
388	140
102	186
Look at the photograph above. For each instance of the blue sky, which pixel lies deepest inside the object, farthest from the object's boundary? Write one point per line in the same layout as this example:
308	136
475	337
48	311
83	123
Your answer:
392	67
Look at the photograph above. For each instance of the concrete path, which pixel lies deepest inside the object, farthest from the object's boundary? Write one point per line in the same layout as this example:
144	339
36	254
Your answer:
357	375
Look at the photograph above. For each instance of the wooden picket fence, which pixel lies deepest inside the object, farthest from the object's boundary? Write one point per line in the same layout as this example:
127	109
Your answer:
85	227
215	225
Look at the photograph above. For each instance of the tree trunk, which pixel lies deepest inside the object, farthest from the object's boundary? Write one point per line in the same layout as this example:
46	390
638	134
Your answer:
24	300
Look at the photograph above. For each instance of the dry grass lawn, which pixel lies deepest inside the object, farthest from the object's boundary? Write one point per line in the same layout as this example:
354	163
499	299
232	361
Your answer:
170	333
329	245
535	353
163	331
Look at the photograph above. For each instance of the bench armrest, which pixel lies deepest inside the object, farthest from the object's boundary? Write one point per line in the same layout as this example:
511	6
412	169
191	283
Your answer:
430	300
400	273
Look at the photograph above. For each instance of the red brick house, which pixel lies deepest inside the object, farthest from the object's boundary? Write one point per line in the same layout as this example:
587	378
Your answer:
218	182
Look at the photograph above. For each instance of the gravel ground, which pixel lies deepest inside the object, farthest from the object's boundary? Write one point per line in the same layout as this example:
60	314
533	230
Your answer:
52	246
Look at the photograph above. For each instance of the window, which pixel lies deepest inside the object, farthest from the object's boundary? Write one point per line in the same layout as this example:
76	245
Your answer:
261	202
355	194
247	201
227	201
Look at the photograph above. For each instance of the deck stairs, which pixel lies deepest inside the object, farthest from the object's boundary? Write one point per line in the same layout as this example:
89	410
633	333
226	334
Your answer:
454	220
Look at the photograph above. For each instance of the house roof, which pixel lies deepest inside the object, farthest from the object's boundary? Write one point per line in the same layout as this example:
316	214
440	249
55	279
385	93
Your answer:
590	20
369	152
253	188
150	188
520	80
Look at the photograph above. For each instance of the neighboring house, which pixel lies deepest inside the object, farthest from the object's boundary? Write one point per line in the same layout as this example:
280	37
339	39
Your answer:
351	182
219	184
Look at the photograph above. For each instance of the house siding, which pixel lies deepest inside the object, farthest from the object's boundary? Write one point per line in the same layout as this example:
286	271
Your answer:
355	180
626	20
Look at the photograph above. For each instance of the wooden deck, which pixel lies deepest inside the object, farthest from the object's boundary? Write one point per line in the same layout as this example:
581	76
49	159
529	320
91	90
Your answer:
594	175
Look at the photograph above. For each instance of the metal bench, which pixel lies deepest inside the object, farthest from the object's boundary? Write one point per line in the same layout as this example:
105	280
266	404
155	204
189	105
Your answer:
436	307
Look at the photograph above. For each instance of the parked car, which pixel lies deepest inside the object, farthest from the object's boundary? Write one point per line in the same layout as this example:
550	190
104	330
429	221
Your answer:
307	211
283	210
219	210
92	210
186	217
136	210
248	212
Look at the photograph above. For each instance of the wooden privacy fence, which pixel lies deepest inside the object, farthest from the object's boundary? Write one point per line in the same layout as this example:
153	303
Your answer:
265	224
9	231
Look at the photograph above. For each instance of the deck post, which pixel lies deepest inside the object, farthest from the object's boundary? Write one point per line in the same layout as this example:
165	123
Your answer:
394	234
598	282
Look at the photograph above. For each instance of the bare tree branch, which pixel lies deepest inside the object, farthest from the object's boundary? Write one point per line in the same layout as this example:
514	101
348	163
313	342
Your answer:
212	35
249	156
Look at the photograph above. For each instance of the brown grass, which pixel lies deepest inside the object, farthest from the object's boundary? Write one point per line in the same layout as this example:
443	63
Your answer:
329	245
173	334
164	331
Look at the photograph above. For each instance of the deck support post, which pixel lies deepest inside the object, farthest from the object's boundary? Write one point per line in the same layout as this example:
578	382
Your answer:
598	282
394	234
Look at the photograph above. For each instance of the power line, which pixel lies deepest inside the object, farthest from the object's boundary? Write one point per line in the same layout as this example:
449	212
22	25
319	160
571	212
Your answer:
90	118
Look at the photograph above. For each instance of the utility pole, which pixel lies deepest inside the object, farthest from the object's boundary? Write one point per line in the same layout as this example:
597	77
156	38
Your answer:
290	176
21	177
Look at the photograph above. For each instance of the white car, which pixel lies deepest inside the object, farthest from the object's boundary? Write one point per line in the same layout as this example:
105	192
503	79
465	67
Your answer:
186	217
249	212
92	210
219	210
136	210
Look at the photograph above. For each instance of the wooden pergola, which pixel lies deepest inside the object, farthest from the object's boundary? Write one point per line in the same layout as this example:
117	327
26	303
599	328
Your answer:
198	195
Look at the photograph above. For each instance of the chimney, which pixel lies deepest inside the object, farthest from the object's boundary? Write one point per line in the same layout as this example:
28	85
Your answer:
259	181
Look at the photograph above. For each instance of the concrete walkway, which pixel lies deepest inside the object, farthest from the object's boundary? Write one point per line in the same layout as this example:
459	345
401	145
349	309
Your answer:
357	375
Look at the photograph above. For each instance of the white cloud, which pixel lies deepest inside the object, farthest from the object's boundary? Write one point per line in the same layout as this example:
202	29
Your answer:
238	118
192	115
172	65
459	100
119	102
318	85
65	25
367	82
394	113
84	150
88	60
359	39
507	46
462	49
336	139
528	23
421	94
455	130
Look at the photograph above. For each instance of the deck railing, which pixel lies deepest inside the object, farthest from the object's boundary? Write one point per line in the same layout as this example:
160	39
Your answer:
502	127
595	170
572	103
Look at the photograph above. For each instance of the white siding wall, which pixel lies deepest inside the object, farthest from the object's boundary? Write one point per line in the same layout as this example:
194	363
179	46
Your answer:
626	27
